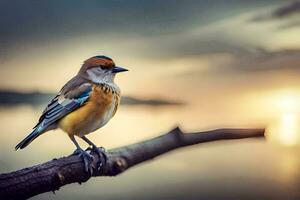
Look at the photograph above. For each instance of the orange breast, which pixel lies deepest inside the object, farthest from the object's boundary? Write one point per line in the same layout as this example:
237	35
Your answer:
100	107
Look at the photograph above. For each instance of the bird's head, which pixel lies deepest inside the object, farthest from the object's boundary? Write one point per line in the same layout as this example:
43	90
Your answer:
100	69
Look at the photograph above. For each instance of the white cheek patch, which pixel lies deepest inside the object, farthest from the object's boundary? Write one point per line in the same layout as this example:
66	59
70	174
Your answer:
97	75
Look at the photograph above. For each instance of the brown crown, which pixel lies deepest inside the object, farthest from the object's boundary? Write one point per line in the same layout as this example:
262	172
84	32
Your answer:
102	61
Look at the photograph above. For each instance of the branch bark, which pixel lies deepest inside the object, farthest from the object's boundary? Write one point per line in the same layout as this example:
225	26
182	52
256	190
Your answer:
52	175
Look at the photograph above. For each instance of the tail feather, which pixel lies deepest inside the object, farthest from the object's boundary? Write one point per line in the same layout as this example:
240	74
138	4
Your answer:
34	134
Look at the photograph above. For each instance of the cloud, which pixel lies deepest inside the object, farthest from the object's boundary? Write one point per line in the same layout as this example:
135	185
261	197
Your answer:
259	61
232	35
284	11
268	61
235	36
287	10
291	24
24	24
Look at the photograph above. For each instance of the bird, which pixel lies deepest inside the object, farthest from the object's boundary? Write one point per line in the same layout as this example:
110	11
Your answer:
83	105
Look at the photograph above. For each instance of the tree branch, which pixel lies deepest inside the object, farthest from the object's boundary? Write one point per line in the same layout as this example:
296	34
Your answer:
50	176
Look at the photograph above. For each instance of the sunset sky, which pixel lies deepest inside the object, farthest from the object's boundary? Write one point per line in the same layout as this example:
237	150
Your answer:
242	54
187	43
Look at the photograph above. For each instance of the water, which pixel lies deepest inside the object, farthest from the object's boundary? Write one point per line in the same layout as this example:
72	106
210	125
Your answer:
251	168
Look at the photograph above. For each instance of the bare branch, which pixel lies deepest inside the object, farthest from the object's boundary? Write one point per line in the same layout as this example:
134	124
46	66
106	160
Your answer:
50	176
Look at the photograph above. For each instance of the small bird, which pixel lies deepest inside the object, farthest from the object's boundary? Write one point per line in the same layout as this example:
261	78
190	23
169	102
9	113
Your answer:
83	105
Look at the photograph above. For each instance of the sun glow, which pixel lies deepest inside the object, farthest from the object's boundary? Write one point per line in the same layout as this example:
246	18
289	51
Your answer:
285	128
288	103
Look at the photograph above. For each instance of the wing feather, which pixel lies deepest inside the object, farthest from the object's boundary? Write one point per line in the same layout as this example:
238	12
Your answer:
72	96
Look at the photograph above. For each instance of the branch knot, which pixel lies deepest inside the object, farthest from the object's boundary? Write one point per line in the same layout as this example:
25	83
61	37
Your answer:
119	165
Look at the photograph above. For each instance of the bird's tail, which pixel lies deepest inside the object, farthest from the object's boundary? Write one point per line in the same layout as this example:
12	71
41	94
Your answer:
34	134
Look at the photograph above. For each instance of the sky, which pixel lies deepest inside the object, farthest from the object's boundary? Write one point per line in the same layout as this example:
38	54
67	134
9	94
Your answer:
195	42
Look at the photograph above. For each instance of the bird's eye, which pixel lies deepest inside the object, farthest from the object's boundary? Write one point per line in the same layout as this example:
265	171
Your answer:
101	67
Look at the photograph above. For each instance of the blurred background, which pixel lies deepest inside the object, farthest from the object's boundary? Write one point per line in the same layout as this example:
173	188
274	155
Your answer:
202	64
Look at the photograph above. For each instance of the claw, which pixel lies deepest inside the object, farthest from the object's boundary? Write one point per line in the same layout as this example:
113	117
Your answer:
101	152
87	159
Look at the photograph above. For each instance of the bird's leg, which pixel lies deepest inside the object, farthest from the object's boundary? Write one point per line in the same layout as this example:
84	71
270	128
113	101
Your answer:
87	158
100	151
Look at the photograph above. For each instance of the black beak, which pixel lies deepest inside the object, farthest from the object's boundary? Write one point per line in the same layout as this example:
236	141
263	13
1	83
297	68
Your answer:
118	69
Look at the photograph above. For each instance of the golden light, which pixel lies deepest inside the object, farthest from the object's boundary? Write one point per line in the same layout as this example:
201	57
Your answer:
288	102
285	129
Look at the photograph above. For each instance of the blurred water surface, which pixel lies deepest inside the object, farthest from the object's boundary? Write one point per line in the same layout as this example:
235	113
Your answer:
250	168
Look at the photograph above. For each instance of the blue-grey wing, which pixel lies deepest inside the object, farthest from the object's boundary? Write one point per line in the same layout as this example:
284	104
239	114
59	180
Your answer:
64	103
73	95
71	89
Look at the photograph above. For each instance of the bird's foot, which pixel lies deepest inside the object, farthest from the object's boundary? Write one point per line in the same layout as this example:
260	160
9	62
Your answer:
87	159
101	152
